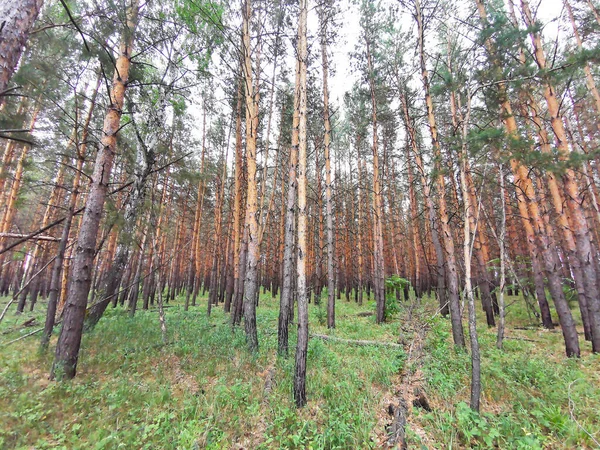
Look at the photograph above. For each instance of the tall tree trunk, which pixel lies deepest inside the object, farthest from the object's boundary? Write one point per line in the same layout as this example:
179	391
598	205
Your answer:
471	218
578	220
360	197
501	243
57	268
302	345
378	258
526	201
413	225
214	283
51	204
447	239
239	185
475	356
528	208
135	288
198	260
320	240
286	298
251	222
437	245
69	341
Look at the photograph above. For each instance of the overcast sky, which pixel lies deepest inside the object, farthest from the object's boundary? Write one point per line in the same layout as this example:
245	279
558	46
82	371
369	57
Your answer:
547	12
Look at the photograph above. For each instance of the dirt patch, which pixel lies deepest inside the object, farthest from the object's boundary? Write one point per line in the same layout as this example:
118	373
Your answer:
182	383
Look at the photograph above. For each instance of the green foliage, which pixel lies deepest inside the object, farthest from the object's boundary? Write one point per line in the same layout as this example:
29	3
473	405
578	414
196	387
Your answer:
393	284
321	313
203	18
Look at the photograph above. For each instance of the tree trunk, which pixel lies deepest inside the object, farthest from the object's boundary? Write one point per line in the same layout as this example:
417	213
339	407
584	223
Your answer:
286	298
437	245
302	345
501	238
378	257
251	223
60	256
447	239
214	284
69	341
525	193
239	185
578	220
18	17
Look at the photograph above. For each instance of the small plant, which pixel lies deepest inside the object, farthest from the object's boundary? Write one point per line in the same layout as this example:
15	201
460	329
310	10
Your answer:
393	284
321	314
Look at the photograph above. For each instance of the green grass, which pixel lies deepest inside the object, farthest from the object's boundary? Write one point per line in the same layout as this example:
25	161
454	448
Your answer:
528	389
204	390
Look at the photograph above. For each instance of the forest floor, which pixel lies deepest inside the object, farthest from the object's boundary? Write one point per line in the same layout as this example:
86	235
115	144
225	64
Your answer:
204	390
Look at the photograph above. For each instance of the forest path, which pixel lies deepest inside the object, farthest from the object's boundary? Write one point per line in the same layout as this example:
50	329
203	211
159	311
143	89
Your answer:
409	390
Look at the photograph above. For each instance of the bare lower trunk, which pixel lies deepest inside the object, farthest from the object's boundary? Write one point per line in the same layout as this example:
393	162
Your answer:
237	203
285	300
378	257
135	289
446	232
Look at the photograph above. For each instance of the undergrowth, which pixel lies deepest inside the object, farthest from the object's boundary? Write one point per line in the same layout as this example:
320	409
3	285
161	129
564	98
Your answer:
533	397
203	389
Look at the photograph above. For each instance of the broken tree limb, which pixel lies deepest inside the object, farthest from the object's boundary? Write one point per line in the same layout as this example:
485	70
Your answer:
38	238
520	339
355	342
23	337
397	429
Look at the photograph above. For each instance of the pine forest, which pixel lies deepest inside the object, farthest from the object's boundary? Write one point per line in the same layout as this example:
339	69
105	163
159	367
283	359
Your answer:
291	224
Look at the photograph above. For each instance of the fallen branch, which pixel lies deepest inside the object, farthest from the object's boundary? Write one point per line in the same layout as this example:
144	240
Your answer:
23	337
27	323
521	339
397	429
355	342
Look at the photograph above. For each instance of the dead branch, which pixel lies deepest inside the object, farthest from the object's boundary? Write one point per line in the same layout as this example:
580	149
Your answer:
38	238
355	342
